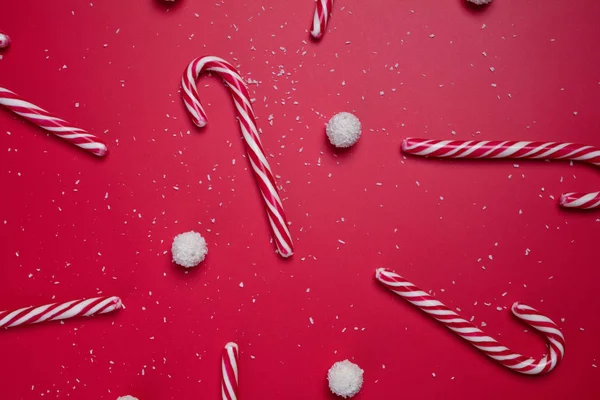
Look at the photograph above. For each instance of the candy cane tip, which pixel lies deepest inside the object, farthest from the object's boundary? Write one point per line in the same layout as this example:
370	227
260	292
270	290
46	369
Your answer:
102	151
118	303
379	272
231	345
317	35
564	199
404	145
518	308
200	123
286	254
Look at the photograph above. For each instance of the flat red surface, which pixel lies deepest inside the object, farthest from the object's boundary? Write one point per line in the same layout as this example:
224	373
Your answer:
73	226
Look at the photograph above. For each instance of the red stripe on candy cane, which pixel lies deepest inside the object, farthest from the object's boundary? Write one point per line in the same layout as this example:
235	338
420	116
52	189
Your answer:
479	339
256	155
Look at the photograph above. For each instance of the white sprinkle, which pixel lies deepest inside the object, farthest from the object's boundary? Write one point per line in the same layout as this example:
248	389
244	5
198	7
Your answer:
311	321
241	284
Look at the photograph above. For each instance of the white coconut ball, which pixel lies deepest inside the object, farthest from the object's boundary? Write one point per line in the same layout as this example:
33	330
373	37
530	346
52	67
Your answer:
189	249
480	2
343	129
345	378
127	398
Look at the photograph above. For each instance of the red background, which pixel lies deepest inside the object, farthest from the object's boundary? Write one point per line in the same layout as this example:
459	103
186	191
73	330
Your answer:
122	61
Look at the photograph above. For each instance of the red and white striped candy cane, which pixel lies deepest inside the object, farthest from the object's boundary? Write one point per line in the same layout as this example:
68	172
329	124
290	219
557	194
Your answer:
4	40
229	372
256	155
584	201
47	121
56	311
323	10
466	330
512	149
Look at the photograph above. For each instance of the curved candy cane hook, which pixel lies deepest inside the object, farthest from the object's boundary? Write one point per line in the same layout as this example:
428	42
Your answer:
513	149
256	155
466	330
323	10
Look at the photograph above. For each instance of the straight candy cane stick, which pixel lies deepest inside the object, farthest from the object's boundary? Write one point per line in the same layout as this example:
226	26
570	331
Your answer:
501	149
472	334
47	121
585	201
56	311
256	154
513	149
323	10
229	372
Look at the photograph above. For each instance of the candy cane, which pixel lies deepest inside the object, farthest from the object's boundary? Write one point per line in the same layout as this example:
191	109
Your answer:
580	200
229	372
323	10
57	126
513	149
466	330
246	117
4	40
56	311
